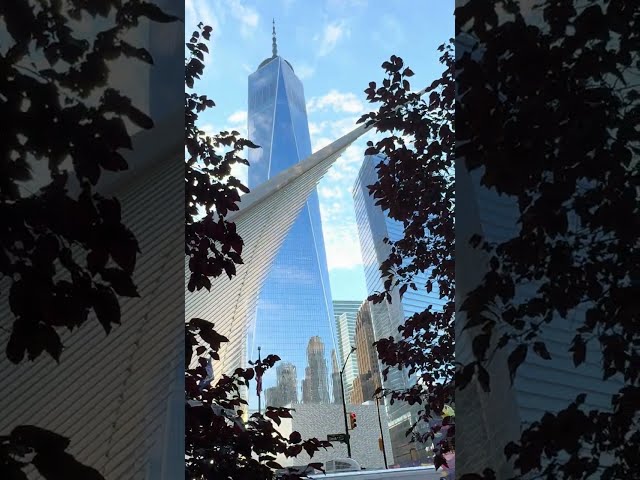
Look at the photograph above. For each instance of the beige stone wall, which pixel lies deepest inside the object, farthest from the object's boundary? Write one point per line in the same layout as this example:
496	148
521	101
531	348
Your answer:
321	420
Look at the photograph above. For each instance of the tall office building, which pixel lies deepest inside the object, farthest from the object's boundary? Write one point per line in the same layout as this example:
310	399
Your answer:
294	304
335	378
285	391
368	379
345	312
315	386
373	227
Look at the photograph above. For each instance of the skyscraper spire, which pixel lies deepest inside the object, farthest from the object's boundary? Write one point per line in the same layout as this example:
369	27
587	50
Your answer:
274	47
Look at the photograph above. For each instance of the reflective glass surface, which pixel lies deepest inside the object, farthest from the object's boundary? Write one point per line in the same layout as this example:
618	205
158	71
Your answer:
373	227
294	315
345	312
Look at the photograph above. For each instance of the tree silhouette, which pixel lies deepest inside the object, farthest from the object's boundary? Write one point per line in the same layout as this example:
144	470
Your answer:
415	186
57	245
219	443
64	249
550	113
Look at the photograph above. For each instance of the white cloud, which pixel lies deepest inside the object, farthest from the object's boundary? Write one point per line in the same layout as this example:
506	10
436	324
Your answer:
197	11
287	4
239	117
341	127
345	169
391	34
316	128
247	16
241	172
330	37
320	142
305	71
329	192
337	101
324	132
208	129
345	4
342	246
336	206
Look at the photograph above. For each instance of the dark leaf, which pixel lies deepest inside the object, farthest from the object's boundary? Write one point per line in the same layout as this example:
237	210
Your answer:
579	349
39	439
483	378
153	12
50	341
541	350
17	344
120	281
515	360
106	305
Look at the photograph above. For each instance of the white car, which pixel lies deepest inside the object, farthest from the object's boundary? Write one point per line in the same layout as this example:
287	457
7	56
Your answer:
409	473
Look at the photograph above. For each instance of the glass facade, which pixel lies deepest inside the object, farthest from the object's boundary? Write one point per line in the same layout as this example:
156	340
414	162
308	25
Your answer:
294	315
345	312
373	227
369	378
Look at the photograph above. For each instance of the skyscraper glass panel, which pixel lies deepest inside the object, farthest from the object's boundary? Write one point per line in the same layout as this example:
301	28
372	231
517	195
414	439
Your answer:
369	378
294	316
345	312
373	227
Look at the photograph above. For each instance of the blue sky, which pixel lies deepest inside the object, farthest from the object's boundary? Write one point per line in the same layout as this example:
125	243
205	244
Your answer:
336	47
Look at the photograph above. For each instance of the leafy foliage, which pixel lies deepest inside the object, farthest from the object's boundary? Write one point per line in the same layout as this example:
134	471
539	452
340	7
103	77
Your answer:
416	187
560	138
220	444
63	248
67	254
45	450
211	192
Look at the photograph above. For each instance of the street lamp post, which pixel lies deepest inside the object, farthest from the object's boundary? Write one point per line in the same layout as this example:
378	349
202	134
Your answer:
384	450
259	391
344	403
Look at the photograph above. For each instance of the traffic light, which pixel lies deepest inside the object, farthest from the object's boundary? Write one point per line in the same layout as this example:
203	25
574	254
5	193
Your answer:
352	420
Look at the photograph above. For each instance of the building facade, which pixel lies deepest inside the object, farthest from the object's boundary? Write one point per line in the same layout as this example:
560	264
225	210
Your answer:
369	379
113	424
335	378
373	227
294	315
319	421
490	420
345	312
285	391
315	385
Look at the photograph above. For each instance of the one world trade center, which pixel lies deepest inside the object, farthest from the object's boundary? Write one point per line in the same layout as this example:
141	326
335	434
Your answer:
293	317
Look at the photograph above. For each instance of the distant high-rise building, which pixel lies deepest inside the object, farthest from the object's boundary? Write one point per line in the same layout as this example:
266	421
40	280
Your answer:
368	380
285	391
357	396
335	378
315	386
345	312
373	227
294	303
